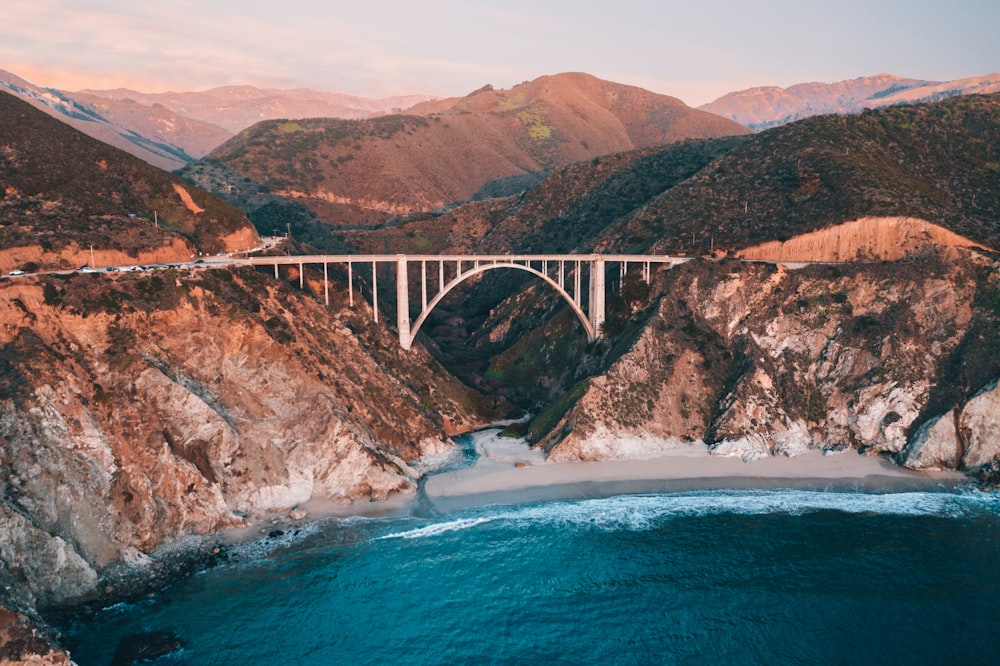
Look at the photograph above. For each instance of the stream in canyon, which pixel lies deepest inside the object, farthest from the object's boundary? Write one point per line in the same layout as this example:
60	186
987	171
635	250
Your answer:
713	576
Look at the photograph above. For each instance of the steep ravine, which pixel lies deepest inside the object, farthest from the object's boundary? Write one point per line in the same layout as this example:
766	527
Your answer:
146	410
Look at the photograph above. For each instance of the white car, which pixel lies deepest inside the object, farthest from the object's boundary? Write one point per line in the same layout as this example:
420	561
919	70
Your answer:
16	272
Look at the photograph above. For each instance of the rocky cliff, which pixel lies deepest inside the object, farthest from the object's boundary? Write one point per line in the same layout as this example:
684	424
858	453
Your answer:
142	410
758	360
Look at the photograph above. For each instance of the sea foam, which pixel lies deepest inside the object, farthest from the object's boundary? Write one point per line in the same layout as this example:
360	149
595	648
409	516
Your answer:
642	512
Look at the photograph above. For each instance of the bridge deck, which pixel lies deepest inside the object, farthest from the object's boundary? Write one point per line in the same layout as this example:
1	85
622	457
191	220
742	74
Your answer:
482	258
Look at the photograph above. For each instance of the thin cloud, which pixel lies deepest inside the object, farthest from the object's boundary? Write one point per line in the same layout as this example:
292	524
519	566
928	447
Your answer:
450	47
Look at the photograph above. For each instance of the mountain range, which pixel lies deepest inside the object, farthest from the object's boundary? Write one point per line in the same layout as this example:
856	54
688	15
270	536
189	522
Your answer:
172	129
770	106
364	172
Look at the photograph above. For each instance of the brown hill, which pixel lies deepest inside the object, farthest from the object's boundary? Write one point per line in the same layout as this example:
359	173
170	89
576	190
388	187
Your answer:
63	191
238	107
367	171
867	239
157	124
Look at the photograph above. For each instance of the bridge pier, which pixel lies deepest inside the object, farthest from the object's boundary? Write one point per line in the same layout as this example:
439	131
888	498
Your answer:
402	302
596	294
423	285
576	284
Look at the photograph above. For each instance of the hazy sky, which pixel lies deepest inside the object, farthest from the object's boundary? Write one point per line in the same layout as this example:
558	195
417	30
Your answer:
696	50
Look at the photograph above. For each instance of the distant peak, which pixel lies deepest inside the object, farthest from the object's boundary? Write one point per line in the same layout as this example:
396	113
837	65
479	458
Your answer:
478	91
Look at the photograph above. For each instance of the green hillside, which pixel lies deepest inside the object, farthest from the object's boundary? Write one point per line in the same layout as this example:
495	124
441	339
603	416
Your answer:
939	162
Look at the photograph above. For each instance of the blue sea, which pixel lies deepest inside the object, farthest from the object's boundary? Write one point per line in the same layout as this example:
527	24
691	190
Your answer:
709	577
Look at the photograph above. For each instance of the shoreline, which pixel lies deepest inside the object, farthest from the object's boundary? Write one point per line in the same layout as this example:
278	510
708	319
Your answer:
685	468
509	472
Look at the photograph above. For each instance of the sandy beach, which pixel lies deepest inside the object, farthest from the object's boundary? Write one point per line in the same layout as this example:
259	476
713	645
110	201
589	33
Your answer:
509	472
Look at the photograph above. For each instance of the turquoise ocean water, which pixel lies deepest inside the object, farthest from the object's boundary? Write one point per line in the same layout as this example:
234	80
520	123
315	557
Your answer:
730	577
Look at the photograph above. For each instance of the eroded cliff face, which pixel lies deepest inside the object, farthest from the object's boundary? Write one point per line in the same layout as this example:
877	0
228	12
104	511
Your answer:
758	360
134	412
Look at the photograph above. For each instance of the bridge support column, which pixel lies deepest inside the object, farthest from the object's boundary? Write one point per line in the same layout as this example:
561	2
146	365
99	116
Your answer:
597	294
375	290
423	285
350	285
402	302
576	284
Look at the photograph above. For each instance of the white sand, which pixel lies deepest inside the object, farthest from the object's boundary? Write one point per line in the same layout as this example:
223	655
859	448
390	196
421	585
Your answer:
496	479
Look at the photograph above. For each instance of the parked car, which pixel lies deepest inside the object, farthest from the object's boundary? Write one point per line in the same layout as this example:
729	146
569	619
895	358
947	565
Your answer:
111	269
16	272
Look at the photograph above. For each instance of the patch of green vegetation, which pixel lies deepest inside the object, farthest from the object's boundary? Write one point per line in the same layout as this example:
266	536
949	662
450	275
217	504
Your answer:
929	161
279	330
511	101
542	424
535	122
121	342
87	293
13	380
418	241
52	294
100	395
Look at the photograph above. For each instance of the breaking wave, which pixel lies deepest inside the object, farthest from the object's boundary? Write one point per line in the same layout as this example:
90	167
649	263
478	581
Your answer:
643	512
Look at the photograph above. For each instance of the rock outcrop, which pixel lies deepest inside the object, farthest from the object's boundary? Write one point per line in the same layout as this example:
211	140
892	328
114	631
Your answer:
758	360
966	438
145	409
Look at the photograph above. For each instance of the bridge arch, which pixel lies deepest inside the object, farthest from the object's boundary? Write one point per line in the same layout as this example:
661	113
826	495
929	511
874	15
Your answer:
479	270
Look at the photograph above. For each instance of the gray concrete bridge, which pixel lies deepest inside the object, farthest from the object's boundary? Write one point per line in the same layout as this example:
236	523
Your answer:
563	272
